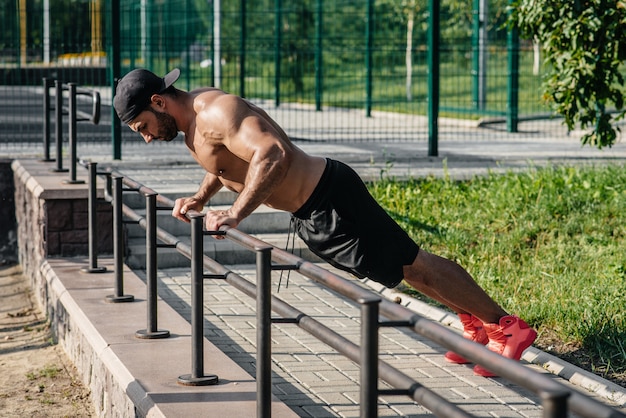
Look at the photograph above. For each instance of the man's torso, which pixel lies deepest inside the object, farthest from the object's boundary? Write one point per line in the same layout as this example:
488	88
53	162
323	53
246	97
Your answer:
207	145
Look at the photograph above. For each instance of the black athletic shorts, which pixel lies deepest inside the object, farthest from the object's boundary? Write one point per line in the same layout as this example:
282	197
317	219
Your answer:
343	224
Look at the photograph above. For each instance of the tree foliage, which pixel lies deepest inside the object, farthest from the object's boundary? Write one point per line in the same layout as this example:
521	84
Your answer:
585	46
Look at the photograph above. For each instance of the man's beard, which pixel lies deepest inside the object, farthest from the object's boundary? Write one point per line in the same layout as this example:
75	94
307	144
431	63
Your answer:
167	129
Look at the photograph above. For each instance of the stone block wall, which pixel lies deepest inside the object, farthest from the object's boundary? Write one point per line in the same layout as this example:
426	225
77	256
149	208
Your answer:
67	228
87	349
53	221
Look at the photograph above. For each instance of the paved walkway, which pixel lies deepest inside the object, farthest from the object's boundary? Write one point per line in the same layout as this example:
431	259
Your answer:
308	376
315	381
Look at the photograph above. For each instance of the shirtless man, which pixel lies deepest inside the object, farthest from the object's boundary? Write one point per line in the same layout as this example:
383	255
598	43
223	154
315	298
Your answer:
243	149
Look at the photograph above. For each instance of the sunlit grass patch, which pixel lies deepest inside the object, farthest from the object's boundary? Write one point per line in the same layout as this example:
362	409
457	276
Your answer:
548	244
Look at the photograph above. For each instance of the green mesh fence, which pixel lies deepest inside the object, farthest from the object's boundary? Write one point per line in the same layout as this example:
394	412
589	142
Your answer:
326	70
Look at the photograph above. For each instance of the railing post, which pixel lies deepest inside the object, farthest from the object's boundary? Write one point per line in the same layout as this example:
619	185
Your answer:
58	126
118	245
71	87
108	187
554	403
369	357
263	331
93	222
433	77
197	376
319	39
512	87
369	61
46	119
151	331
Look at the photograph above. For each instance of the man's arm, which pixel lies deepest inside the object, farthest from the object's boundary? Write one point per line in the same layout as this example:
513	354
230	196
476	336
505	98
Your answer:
251	137
209	186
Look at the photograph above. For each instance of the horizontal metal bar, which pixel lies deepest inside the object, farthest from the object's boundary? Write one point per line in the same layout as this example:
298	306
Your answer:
395	324
132	184
393	392
84	92
279	267
285	320
213	276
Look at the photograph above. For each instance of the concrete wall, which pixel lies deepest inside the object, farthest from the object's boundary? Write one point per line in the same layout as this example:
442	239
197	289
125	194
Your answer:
86	348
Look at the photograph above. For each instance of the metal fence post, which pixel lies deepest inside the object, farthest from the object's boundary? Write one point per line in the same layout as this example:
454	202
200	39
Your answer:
319	60
152	331
278	40
263	331
115	74
58	126
197	376
46	119
92	202
242	46
118	245
71	87
554	403
369	357
108	187
369	46
512	43
433	77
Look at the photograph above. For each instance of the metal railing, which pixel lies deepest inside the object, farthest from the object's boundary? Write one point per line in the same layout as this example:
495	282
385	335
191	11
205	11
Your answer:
75	115
556	398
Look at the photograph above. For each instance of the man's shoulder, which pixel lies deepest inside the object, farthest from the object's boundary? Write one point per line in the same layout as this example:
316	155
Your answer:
212	97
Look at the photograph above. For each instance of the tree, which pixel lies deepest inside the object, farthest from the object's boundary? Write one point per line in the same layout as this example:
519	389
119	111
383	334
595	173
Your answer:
585	44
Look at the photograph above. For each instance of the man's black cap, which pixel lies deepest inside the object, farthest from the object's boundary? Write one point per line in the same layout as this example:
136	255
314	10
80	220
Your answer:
135	89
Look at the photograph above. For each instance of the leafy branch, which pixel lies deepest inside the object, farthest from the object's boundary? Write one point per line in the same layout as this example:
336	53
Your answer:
585	45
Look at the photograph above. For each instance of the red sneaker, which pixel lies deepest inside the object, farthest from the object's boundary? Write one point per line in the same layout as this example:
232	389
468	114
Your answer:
509	338
472	330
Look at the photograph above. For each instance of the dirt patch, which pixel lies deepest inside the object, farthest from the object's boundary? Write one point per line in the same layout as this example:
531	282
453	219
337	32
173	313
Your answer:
37	378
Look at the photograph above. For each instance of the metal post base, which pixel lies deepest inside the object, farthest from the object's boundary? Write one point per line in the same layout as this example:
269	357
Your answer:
59	170
144	334
73	181
187	380
93	270
119	299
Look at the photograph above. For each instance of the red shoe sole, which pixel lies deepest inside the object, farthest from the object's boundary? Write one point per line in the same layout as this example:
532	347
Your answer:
527	342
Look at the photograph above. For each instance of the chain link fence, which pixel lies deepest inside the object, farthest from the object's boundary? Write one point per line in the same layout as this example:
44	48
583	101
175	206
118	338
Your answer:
328	71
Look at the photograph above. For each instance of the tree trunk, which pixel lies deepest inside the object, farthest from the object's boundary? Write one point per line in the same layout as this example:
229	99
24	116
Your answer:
409	54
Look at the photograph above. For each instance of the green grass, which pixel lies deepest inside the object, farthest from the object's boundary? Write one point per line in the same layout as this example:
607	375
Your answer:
49	371
548	244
